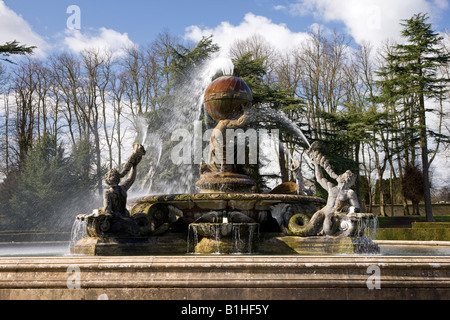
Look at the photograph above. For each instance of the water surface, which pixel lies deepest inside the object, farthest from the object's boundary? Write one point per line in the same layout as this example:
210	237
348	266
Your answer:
61	249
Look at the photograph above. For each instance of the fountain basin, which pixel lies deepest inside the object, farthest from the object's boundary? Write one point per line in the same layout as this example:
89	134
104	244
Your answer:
223	182
194	205
194	233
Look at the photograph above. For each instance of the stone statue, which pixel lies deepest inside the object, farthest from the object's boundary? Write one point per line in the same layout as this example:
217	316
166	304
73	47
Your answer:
340	199
113	219
115	199
228	101
217	161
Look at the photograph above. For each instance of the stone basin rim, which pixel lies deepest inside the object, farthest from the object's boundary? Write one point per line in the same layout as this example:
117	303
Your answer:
286	198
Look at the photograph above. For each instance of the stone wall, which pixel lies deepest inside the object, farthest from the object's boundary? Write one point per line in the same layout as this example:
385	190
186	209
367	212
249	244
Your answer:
225	278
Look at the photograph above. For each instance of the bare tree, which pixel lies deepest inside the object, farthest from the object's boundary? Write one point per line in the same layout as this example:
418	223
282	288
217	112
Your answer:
24	85
322	79
260	48
117	91
90	110
161	49
66	70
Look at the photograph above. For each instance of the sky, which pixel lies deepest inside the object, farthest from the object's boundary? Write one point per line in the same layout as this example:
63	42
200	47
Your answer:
54	25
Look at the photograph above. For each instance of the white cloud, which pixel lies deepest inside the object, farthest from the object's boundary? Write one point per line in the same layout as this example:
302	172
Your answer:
279	7
104	39
14	27
225	34
368	20
441	4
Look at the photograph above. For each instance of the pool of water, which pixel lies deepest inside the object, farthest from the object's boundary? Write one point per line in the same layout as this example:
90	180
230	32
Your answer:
61	248
414	248
414	251
34	249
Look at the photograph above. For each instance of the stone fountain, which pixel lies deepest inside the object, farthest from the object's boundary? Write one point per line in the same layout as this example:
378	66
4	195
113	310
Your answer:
225	216
146	239
135	249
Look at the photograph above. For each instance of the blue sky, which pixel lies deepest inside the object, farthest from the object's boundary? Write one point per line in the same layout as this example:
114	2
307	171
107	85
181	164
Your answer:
142	20
284	23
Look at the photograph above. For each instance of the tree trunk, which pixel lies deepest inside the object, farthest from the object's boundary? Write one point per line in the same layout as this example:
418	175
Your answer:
381	195
425	165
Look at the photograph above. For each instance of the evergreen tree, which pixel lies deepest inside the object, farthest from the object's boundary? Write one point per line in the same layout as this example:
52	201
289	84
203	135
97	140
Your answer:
353	127
185	60
51	184
414	79
13	47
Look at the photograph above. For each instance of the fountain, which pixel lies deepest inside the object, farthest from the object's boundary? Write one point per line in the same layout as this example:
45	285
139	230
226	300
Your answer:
226	242
225	216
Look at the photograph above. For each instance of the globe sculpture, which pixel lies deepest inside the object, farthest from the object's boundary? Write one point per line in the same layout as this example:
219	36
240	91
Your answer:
226	100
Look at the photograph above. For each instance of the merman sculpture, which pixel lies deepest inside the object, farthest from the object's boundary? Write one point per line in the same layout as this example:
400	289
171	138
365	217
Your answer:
341	199
114	219
115	199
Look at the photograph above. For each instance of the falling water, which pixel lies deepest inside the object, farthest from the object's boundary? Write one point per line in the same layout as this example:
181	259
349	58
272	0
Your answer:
223	238
241	246
154	146
218	238
192	234
78	232
362	225
180	111
236	239
142	130
371	227
216	65
280	118
362	230
251	235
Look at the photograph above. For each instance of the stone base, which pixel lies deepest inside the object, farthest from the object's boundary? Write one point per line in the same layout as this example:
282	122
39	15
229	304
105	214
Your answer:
262	244
316	245
225	246
222	182
173	244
